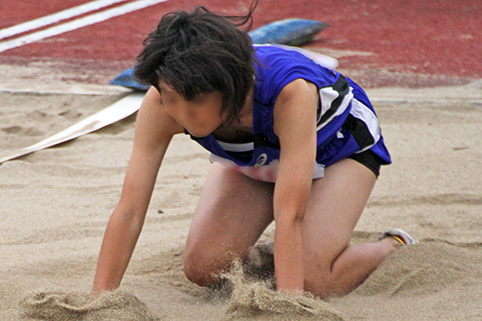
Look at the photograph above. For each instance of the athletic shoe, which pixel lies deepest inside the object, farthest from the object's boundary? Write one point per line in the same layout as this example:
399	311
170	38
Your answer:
399	235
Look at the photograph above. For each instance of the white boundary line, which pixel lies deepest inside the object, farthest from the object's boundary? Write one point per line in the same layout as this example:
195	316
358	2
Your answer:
75	92
56	17
427	101
78	23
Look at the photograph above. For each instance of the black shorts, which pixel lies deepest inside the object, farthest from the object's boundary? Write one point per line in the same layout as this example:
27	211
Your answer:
371	160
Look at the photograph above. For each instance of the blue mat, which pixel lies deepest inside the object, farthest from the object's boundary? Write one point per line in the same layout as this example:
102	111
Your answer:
292	32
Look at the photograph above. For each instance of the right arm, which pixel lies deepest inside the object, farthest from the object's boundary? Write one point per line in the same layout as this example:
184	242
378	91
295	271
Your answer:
154	131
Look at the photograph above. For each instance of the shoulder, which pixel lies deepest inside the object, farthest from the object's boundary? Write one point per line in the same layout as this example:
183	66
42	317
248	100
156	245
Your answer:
295	89
296	105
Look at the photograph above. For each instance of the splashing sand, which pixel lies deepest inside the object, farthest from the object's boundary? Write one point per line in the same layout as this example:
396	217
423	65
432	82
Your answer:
256	299
59	306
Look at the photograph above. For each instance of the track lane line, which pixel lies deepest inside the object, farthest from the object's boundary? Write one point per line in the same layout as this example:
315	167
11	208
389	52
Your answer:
56	17
78	23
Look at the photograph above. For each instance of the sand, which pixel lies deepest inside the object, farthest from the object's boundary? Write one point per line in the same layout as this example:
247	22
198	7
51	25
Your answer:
54	206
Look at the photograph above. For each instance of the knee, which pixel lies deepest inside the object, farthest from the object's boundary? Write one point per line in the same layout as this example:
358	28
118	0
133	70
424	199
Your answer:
203	268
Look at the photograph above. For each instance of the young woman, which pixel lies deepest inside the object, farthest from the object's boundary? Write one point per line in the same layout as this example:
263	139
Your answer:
291	141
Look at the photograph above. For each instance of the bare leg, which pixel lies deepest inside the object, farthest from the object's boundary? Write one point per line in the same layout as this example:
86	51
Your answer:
332	266
232	213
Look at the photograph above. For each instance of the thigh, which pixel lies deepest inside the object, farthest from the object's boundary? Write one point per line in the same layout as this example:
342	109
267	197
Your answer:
334	208
232	213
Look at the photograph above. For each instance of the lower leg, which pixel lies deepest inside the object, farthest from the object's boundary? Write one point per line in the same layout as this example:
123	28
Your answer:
351	268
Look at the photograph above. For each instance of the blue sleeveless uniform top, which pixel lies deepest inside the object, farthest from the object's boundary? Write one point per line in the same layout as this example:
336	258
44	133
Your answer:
346	121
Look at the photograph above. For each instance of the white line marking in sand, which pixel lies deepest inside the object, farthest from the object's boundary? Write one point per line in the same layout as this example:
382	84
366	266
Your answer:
59	92
56	17
397	101
83	90
78	23
109	115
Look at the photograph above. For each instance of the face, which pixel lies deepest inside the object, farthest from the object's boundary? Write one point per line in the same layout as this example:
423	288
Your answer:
200	116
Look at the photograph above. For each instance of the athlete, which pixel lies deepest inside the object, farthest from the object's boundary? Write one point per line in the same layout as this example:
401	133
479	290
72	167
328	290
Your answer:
290	141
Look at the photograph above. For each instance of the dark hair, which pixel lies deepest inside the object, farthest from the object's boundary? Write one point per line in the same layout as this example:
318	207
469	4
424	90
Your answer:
201	52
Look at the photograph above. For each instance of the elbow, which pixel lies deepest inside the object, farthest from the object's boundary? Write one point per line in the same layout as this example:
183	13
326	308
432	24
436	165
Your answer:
135	217
290	201
291	218
288	226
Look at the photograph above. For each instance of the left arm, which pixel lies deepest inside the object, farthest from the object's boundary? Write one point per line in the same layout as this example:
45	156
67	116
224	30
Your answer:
295	125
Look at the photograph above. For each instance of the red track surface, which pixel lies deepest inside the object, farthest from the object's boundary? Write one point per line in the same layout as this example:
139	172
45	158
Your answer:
13	12
419	37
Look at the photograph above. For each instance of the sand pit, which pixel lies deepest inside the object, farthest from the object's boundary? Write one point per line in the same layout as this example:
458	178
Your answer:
55	205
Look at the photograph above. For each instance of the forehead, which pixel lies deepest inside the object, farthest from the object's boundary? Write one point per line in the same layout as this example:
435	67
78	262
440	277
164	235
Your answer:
168	90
